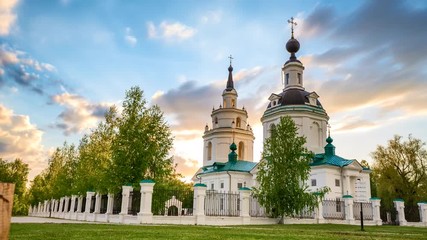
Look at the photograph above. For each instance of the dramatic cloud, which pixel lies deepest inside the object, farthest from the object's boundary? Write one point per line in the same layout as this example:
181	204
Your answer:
79	114
19	138
130	38
186	167
7	17
382	72
18	68
181	103
170	31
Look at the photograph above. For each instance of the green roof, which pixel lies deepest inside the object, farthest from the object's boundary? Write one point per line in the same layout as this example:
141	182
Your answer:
329	157
234	166
334	160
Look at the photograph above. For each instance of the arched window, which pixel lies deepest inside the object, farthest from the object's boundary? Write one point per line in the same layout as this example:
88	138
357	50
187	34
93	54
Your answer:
216	120
238	123
241	154
272	128
209	151
233	103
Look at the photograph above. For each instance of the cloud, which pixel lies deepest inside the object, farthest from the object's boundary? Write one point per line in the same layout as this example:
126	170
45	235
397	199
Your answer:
7	16
79	114
130	38
212	17
182	102
185	166
19	138
175	31
373	62
18	68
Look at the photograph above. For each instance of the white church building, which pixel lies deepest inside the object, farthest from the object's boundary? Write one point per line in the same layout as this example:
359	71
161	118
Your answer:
228	162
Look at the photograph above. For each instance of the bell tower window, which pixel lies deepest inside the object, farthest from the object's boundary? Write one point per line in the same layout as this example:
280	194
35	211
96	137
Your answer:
241	155
238	123
233	103
287	78
209	151
299	78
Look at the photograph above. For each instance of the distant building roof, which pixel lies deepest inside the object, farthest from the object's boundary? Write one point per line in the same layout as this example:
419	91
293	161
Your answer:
234	166
329	157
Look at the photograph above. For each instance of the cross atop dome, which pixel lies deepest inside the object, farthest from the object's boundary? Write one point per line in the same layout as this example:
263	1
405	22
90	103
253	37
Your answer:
230	84
293	23
292	46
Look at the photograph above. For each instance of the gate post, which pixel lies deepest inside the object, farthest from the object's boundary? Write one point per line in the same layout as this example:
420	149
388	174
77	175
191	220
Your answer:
376	204
198	205
145	214
348	206
423	212
399	204
244	205
125	201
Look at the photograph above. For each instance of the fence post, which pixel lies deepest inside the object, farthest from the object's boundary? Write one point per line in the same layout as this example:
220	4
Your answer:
61	203
376	204
348	206
319	210
399	204
79	204
199	203
125	201
244	204
73	203
423	212
67	202
6	204
110	203
145	214
97	203
89	195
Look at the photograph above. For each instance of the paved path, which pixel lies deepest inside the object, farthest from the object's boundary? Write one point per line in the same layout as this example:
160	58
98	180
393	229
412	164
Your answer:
43	220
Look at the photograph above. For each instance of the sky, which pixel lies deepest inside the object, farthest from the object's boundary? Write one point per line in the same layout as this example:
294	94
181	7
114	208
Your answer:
63	63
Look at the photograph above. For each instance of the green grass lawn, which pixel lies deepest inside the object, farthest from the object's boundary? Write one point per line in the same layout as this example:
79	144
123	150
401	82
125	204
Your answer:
109	231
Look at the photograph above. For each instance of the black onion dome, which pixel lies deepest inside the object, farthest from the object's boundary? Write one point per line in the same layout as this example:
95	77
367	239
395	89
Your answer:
292	45
294	96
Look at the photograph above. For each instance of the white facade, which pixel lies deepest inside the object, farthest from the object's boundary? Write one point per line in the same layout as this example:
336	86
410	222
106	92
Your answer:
349	180
229	124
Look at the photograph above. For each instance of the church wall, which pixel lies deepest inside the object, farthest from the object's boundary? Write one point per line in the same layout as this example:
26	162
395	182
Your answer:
222	177
313	127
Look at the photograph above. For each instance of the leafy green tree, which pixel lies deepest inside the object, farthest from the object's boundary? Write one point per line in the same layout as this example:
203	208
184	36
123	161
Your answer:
16	172
283	172
95	156
141	148
400	171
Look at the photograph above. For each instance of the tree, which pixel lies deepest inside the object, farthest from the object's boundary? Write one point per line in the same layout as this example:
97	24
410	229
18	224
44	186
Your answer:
95	155
400	171
16	172
141	147
283	172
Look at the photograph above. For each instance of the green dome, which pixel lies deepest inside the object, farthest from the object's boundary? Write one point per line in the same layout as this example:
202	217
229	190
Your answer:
232	157
329	139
